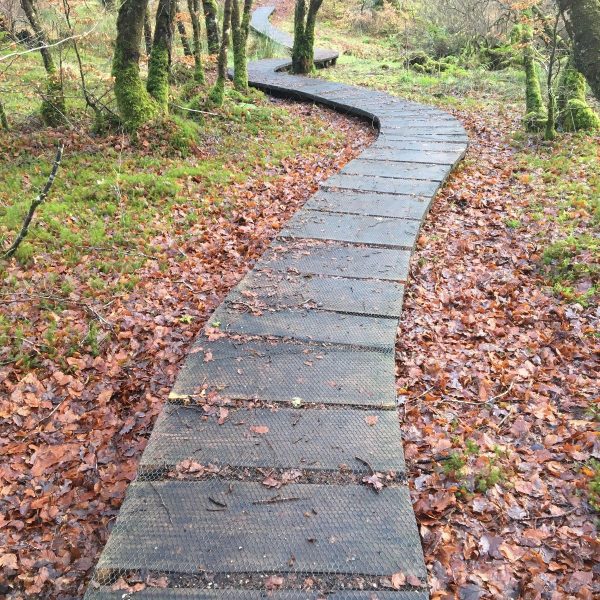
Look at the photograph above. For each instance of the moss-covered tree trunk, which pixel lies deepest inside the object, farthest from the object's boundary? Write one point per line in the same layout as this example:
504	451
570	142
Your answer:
160	58
535	112
240	27
582	18
135	105
53	104
147	32
194	9
218	91
212	25
305	19
183	36
3	119
574	112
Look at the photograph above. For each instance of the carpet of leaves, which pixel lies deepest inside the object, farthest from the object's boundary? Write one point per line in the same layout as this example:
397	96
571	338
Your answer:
73	430
497	377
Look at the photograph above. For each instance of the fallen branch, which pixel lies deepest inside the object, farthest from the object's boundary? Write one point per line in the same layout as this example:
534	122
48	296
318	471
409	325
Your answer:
39	200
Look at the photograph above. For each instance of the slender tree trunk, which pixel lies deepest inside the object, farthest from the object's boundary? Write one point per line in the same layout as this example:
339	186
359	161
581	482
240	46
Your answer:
212	27
3	119
535	112
218	90
194	8
185	42
160	58
582	18
53	105
147	32
240	27
135	105
305	19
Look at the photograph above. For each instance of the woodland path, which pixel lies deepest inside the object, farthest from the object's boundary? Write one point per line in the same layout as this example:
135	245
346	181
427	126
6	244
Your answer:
311	331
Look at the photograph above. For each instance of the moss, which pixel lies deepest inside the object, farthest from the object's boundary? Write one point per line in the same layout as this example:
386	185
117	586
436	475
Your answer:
574	113
578	116
158	75
217	93
53	106
136	107
3	119
535	113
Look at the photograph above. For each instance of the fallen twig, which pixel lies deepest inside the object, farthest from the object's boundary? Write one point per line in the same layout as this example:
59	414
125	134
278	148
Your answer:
40	198
277	499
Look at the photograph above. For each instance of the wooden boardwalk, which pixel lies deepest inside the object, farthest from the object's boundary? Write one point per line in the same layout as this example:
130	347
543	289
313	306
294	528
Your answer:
273	495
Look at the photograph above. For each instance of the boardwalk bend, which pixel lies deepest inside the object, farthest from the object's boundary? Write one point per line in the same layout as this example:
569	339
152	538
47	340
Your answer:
304	346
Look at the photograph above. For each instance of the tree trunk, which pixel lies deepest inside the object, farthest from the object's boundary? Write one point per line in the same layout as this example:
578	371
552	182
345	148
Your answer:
185	42
160	58
3	119
135	105
194	9
147	32
574	112
53	105
218	91
535	112
240	27
304	35
582	18
212	27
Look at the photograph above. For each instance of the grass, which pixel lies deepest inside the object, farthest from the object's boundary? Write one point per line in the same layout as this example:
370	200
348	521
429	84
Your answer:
114	197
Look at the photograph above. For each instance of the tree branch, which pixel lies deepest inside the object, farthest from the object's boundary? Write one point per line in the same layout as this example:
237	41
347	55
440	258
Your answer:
41	197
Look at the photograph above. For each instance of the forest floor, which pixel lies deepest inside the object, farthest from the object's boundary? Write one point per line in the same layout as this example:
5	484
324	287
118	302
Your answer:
136	246
498	368
497	352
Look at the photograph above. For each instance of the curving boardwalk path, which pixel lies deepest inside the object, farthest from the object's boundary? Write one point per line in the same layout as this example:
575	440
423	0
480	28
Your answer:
274	496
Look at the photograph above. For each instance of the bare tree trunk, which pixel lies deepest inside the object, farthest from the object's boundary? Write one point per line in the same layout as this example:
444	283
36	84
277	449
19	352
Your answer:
160	58
582	18
135	105
212	27
218	91
240	27
194	8
147	33
53	105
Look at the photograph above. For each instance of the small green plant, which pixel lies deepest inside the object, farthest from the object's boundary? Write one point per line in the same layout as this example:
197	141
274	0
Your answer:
472	447
454	465
488	478
592	468
513	223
